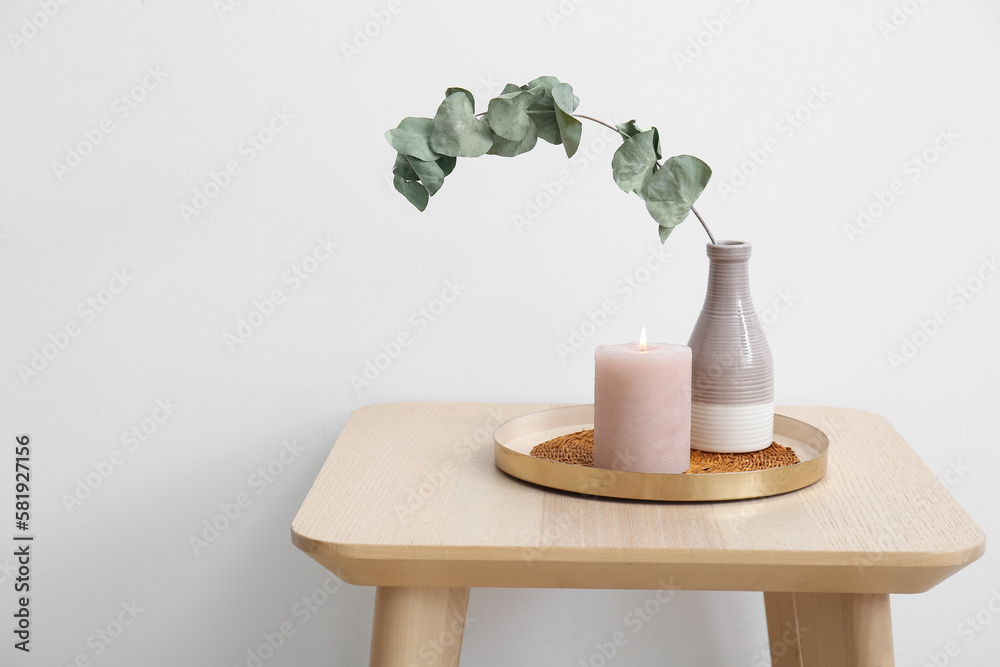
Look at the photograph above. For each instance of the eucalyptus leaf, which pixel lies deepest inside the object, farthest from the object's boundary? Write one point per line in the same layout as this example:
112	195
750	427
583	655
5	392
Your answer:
456	131
546	124
562	95
664	233
570	129
656	143
429	173
508	119
543	110
447	164
413	137
525	97
628	129
673	189
472	99
545	82
634	162
507	148
403	168
414	191
510	88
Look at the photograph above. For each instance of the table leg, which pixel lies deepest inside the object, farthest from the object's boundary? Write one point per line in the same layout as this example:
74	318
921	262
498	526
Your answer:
783	630
418	626
829	629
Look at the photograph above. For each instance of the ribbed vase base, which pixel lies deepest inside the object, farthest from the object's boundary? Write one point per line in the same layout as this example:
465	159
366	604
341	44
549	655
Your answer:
731	428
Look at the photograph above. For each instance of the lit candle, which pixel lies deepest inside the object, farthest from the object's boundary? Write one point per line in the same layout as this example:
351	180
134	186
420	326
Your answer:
642	407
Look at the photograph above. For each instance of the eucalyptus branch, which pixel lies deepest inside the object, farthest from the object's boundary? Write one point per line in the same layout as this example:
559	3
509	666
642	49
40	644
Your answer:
658	166
601	122
702	221
428	148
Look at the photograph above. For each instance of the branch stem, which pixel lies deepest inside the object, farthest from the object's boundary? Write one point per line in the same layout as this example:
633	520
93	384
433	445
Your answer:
615	129
601	122
702	221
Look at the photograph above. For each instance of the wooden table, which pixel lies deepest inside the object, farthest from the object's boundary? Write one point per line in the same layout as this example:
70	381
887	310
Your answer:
410	501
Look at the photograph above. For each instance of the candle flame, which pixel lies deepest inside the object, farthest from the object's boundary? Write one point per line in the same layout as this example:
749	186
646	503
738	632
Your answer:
642	340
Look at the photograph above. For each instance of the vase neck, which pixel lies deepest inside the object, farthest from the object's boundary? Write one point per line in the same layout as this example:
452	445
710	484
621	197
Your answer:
729	251
728	272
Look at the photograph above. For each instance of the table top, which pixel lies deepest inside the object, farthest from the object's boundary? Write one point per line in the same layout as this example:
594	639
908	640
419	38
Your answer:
409	496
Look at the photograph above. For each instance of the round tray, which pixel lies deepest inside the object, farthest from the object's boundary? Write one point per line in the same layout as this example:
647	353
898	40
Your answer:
514	440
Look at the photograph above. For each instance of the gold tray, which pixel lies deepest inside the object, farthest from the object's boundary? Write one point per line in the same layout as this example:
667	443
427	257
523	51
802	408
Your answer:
514	439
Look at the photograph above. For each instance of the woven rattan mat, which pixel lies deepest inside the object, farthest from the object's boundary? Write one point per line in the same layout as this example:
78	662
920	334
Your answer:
578	448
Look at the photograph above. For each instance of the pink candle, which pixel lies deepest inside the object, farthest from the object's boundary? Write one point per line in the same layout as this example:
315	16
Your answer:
642	407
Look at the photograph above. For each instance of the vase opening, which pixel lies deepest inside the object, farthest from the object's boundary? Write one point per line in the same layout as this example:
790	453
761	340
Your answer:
729	251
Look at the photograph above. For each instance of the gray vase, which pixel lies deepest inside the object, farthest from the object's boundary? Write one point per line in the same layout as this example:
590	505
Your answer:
732	383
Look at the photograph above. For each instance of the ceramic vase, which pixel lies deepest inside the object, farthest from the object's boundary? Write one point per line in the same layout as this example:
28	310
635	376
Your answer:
732	383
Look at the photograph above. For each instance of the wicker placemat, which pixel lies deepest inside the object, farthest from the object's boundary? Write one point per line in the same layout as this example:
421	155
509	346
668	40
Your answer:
578	449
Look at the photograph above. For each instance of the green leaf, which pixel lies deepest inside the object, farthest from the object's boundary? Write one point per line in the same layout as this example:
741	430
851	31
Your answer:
672	190
508	119
542	111
456	131
546	83
403	168
570	129
664	233
546	124
656	143
429	173
432	174
507	148
413	137
447	164
414	191
512	135
628	129
472	99
526	97
564	98
634	162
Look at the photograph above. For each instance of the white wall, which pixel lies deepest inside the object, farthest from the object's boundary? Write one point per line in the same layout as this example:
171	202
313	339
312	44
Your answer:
224	76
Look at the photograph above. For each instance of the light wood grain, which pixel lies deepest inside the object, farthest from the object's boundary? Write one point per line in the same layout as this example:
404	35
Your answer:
837	629
783	630
416	625
410	496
